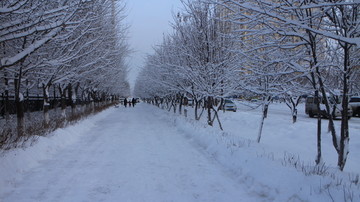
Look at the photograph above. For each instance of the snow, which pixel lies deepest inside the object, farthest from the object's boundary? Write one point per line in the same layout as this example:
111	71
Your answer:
144	153
30	49
21	97
12	8
16	162
281	136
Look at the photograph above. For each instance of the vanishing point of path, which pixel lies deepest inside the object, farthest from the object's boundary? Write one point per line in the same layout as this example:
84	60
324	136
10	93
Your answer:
134	154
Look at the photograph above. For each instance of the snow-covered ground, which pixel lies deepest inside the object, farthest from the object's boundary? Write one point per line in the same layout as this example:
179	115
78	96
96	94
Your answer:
281	136
148	154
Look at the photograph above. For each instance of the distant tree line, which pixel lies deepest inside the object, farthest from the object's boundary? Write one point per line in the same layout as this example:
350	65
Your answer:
259	49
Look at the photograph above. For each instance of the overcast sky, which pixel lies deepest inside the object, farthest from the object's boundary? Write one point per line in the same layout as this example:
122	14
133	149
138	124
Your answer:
149	20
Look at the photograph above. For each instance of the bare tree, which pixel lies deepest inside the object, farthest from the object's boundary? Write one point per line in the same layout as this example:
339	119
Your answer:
67	45
308	23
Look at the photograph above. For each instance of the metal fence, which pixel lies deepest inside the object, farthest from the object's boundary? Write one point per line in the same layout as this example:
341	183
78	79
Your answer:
31	104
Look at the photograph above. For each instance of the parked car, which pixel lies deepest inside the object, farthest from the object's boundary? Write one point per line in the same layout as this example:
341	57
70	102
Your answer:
354	102
188	101
229	105
311	108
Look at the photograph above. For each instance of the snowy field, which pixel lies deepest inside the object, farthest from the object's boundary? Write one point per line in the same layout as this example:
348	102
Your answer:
281	136
148	154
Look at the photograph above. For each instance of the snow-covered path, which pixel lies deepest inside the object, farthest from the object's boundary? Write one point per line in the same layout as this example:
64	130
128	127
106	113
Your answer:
133	154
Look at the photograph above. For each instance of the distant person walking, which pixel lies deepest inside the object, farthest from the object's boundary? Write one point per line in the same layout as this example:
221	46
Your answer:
125	102
133	102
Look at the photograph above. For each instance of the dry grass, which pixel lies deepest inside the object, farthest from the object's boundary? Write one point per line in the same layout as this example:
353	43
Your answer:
14	135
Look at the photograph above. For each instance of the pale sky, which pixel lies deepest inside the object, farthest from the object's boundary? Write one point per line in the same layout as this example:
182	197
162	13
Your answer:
149	20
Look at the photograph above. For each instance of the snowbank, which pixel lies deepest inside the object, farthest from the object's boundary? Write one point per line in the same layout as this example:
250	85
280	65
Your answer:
281	167
15	162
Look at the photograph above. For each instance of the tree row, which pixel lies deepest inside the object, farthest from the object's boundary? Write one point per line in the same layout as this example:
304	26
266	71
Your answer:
260	49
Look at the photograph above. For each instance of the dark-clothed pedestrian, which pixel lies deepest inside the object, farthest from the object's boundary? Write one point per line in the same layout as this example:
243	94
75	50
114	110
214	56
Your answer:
133	102
125	102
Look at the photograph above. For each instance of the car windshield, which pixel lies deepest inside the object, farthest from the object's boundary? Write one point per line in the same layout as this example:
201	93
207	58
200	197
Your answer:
228	101
332	100
355	99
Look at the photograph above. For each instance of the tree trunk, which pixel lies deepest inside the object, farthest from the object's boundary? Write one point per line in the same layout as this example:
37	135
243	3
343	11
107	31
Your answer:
168	104
196	109
181	103
209	106
19	102
46	104
331	125
293	107
197	106
72	99
63	100
264	115
318	134
294	115
344	139
92	99
27	104
173	104
2	106
6	100
55	100
76	101
216	115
